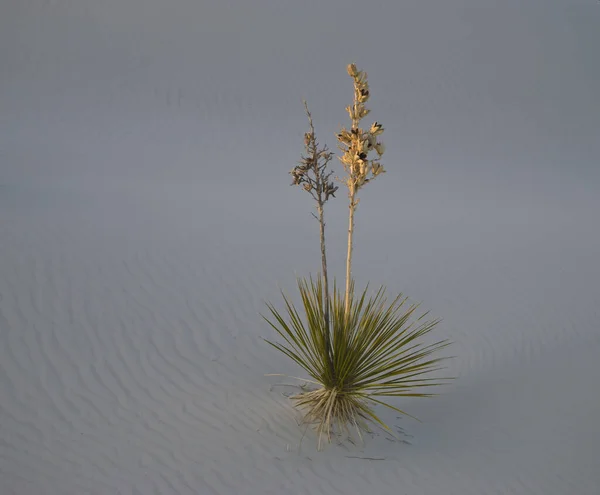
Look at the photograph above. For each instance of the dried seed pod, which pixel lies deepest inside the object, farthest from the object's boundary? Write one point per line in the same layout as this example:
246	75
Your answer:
360	77
371	141
376	129
344	136
377	169
363	112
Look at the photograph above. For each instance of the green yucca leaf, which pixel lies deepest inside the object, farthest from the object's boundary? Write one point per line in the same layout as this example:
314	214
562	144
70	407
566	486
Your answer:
373	350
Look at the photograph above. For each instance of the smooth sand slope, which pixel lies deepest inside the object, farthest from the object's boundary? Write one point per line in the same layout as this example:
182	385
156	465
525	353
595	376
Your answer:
145	218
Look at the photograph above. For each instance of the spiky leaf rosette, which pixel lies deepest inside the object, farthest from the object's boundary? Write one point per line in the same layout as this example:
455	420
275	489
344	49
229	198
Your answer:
377	352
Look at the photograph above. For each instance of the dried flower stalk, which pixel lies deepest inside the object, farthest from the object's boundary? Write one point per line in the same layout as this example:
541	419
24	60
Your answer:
357	145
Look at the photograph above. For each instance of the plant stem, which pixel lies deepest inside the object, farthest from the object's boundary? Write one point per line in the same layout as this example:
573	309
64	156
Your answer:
352	188
352	208
320	195
326	288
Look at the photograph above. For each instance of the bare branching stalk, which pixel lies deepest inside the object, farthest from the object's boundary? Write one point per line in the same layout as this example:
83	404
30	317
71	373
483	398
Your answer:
356	144
312	174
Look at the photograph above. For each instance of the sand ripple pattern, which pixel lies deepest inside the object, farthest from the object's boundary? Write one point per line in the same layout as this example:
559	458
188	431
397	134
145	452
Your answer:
131	363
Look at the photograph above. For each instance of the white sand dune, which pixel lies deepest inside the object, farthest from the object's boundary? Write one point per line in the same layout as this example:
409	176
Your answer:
132	360
145	218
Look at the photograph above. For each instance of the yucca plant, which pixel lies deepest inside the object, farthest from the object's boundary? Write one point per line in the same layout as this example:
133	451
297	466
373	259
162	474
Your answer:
376	351
357	350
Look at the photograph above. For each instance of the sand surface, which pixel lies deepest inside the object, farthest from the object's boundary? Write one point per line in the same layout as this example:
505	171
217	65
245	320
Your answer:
145	218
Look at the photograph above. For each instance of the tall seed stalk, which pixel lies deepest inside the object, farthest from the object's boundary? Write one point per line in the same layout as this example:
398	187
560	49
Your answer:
356	144
312	174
